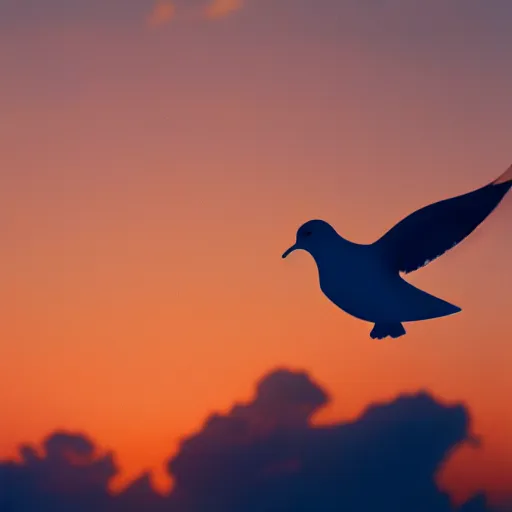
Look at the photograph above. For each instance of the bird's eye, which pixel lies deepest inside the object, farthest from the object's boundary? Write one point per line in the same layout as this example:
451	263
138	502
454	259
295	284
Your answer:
308	233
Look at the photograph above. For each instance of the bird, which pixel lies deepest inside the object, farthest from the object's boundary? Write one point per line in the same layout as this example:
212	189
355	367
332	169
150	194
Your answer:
366	280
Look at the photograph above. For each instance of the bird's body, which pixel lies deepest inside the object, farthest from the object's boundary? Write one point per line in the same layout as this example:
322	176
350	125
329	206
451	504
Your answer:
365	281
354	278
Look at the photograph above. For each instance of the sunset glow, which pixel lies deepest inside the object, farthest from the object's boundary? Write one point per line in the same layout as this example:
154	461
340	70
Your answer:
151	179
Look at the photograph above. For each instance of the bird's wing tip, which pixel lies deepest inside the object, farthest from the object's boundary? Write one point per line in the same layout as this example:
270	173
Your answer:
504	178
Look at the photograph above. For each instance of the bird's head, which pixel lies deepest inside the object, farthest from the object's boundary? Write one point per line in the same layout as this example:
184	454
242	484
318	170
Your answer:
312	237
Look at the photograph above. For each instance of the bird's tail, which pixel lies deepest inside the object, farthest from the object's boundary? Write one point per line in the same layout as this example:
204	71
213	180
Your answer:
383	330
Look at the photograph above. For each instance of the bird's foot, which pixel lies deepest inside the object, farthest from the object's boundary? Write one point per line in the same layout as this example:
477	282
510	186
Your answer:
383	330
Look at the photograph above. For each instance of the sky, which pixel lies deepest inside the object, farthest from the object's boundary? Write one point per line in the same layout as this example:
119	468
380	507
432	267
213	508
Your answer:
156	159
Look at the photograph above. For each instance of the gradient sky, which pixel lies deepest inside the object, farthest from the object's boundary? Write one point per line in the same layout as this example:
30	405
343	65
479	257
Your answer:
156	160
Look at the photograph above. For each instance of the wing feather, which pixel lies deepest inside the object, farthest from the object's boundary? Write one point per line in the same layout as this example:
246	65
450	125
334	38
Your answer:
433	230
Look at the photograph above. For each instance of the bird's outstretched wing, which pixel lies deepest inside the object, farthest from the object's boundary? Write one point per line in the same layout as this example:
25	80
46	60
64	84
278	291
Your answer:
431	231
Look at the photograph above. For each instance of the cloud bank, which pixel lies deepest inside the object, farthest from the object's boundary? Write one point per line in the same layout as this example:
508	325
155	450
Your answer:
263	456
162	13
222	8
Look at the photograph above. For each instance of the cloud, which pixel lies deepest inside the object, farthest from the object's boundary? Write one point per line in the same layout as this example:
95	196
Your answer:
221	8
264	455
68	474
163	12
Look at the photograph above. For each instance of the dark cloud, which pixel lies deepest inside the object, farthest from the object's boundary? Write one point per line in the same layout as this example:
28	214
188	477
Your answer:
67	476
264	456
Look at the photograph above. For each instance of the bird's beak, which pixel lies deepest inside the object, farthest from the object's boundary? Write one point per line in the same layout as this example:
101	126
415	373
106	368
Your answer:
290	250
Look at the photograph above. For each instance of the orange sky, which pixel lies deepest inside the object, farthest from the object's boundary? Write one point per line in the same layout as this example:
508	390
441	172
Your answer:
151	175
